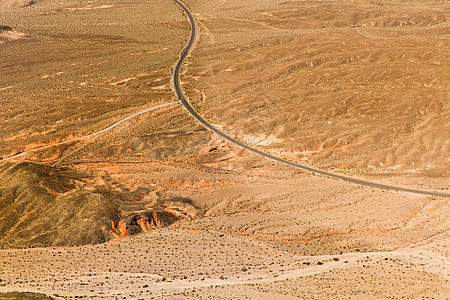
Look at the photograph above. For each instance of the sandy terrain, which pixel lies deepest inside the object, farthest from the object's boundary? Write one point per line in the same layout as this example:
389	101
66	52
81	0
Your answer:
354	87
283	228
180	263
6	5
360	84
94	66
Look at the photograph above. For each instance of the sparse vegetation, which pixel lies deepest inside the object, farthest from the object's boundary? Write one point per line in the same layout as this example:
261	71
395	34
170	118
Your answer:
352	87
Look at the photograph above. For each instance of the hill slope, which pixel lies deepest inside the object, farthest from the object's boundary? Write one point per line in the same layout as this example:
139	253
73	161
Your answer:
41	205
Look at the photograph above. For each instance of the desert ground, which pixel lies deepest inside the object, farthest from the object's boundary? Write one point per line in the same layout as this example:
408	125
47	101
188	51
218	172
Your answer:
158	207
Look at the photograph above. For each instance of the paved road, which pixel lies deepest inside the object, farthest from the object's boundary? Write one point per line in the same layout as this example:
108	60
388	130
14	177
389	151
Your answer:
92	134
179	92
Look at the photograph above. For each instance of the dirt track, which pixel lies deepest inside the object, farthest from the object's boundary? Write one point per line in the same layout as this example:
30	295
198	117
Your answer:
265	266
359	89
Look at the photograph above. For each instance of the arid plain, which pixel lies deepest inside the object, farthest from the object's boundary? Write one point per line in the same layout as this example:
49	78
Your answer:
159	207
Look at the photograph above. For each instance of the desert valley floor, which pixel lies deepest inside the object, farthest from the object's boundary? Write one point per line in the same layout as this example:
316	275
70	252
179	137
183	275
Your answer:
158	207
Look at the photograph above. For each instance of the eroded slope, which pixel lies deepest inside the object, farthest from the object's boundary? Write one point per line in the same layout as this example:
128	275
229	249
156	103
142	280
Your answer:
359	84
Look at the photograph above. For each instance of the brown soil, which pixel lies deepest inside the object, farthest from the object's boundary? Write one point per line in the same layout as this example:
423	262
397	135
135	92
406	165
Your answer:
357	87
359	84
23	295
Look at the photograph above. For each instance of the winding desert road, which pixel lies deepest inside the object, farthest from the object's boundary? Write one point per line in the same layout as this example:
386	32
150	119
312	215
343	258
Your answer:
179	92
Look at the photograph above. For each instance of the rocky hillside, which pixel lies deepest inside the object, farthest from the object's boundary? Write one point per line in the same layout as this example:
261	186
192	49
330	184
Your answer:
42	206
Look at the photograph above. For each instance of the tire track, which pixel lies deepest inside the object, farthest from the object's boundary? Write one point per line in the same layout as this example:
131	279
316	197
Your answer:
89	135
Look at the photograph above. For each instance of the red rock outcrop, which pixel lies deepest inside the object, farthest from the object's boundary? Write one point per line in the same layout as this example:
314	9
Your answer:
119	229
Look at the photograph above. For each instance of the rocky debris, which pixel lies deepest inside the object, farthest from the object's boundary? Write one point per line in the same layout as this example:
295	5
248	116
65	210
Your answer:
146	221
161	213
119	229
138	223
146	224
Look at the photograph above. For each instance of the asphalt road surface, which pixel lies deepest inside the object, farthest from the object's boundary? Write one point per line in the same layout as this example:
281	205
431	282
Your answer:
179	92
